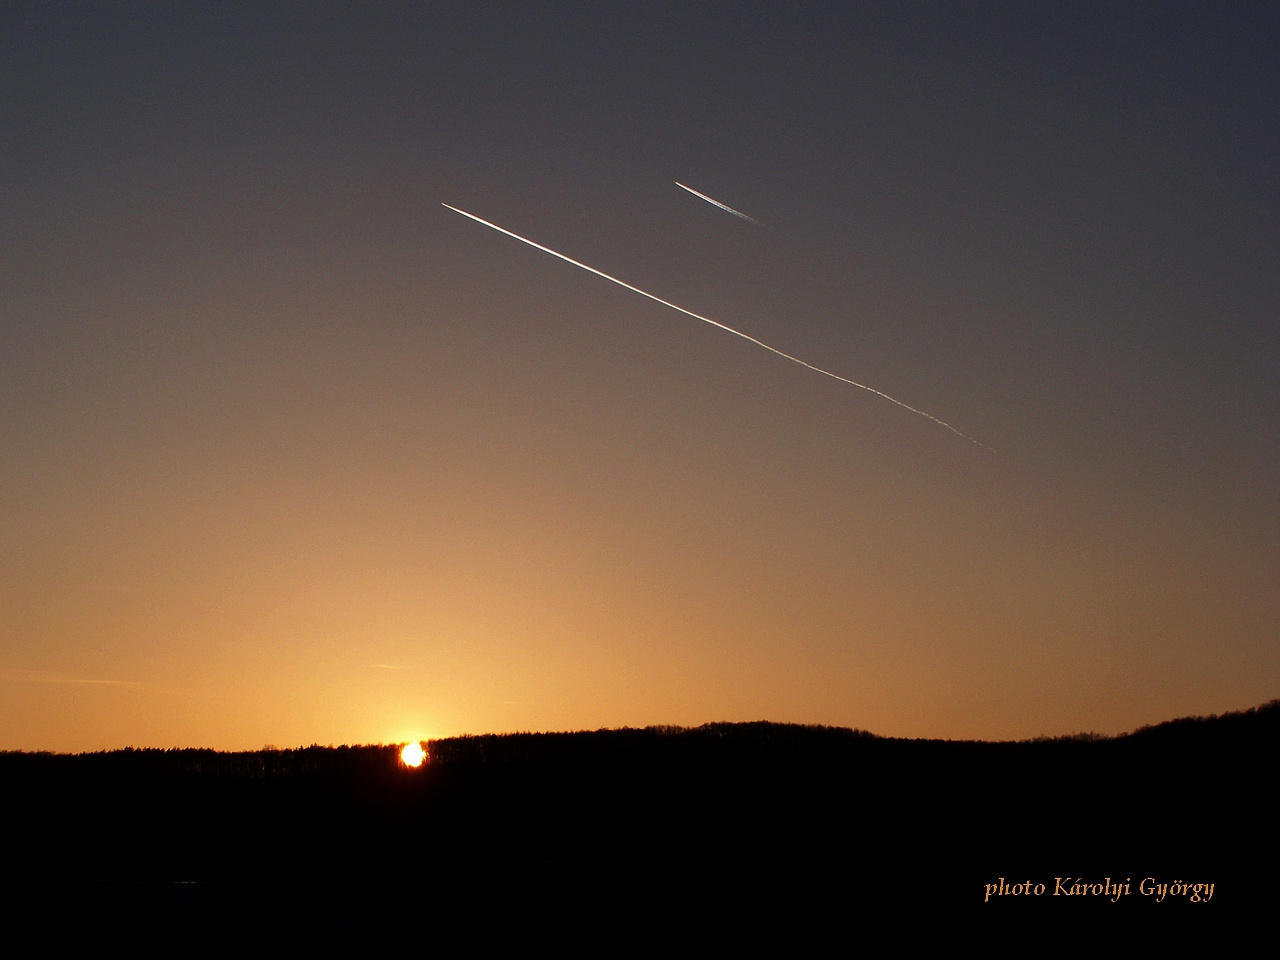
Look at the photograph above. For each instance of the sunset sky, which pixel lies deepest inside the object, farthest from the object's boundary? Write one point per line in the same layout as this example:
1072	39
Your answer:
291	453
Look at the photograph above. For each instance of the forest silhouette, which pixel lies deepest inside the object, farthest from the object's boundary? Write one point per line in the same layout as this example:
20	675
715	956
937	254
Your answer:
773	811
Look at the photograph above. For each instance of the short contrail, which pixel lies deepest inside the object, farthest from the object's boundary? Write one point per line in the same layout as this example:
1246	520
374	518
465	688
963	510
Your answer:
717	323
716	203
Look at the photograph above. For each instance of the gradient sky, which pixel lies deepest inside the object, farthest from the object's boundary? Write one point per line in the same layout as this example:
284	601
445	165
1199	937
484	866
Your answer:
290	453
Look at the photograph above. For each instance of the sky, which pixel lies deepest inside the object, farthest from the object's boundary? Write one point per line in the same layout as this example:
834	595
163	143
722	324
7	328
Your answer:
292	453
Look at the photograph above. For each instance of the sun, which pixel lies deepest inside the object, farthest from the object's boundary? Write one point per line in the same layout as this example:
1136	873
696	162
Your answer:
412	755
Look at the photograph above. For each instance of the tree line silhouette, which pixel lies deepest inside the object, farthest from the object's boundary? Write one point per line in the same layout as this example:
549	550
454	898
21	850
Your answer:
730	803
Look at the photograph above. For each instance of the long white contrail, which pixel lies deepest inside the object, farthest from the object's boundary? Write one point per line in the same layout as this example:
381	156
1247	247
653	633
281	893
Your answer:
717	323
716	203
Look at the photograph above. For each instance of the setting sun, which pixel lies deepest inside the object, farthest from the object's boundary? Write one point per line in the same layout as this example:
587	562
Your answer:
412	755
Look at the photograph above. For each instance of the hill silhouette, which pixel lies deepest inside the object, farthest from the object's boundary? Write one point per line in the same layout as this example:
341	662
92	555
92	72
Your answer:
822	814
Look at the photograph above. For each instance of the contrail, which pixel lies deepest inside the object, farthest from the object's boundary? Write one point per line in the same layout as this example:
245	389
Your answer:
717	203
44	676
717	323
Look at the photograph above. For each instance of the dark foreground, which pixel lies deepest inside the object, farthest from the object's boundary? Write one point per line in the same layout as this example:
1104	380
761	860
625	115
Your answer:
766	829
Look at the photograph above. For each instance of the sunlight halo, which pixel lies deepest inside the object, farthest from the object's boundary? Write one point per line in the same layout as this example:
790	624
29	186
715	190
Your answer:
412	755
